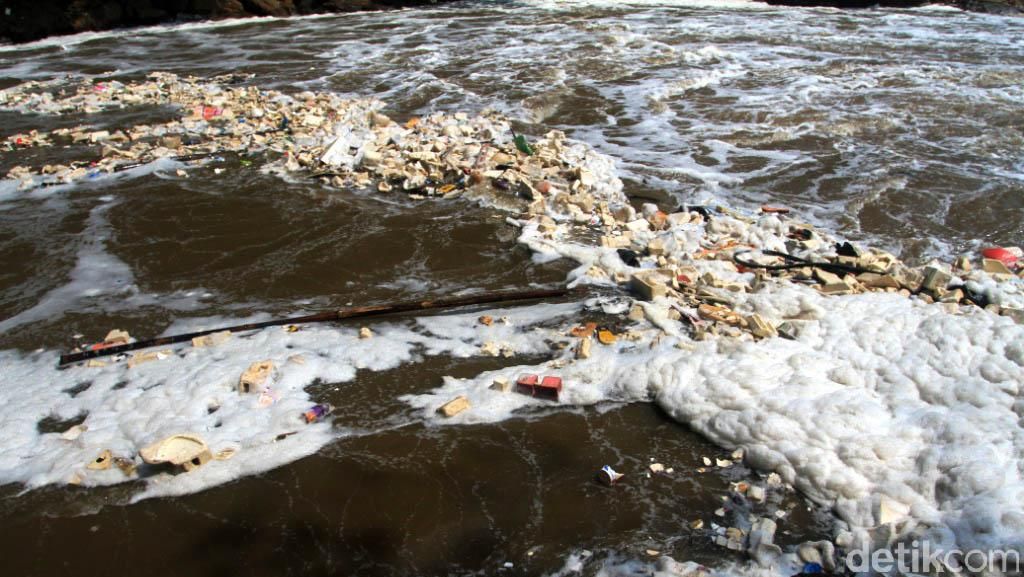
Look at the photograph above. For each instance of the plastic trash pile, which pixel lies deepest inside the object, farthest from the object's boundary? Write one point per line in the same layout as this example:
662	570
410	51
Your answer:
215	116
693	269
343	142
695	256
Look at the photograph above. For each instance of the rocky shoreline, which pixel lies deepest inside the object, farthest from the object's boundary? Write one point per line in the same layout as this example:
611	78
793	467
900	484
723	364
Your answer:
25	21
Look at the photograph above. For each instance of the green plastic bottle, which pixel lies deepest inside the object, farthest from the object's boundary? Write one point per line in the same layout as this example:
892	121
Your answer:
522	145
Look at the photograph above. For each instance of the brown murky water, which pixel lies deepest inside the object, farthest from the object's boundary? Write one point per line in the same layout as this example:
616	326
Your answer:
901	128
404	498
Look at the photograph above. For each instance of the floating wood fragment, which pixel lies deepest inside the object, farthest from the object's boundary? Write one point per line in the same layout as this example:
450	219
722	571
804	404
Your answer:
336	315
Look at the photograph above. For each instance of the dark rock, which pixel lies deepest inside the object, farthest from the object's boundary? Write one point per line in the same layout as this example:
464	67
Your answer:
228	9
269	7
1002	7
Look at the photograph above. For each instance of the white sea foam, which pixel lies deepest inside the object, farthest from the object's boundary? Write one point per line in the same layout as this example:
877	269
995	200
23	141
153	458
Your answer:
577	4
39	187
195	390
878	397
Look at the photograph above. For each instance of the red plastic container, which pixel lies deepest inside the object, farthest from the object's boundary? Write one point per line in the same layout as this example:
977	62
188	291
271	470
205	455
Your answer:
549	388
546	388
1000	254
526	384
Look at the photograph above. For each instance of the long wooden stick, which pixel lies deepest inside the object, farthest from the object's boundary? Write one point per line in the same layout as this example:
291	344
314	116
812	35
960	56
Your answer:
337	315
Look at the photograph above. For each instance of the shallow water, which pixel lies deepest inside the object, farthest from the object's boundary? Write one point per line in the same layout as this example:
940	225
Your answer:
404	501
899	128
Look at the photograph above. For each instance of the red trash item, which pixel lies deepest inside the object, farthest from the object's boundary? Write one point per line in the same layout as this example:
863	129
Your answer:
774	210
1000	254
101	346
211	112
526	384
549	388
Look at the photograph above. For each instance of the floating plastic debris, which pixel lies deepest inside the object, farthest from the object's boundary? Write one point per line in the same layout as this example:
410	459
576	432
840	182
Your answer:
317	412
454	406
185	450
609	476
258	376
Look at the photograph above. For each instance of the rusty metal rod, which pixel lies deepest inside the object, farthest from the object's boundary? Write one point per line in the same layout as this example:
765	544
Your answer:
336	315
